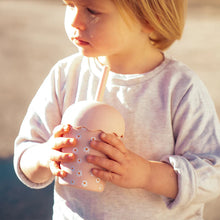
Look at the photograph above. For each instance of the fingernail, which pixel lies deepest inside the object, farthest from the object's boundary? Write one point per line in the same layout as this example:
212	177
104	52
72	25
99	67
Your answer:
89	158
62	173
92	143
94	171
71	156
65	127
103	135
72	140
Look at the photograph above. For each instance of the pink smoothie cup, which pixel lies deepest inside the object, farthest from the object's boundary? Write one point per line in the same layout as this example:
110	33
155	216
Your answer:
88	119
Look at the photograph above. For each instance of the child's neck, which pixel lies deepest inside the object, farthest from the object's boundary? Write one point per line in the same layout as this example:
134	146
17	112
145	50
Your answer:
132	64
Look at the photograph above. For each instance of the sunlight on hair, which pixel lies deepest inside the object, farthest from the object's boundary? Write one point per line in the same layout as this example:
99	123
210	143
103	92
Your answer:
167	18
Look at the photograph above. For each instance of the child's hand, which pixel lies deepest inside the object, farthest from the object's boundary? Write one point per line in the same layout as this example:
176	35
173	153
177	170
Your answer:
55	145
122	167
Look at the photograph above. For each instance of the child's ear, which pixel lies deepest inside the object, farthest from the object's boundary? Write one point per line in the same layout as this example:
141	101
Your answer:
147	28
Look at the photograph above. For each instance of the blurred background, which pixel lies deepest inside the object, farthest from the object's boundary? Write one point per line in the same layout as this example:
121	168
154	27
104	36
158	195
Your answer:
32	40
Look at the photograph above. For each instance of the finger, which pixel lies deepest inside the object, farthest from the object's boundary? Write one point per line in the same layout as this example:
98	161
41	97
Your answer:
61	142
106	176
55	169
58	156
107	149
60	130
113	140
105	163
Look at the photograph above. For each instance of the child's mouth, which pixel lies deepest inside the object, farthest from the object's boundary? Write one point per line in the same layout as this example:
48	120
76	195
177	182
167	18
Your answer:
79	42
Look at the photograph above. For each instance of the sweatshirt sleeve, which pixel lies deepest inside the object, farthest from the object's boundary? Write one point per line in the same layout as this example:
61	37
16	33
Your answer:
42	116
45	113
196	158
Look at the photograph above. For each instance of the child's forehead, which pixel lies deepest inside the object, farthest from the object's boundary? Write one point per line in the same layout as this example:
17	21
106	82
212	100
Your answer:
88	2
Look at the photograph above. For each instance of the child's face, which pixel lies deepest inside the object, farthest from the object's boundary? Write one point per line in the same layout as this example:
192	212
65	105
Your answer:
97	28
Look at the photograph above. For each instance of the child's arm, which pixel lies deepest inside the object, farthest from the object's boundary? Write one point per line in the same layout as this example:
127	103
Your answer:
41	161
44	113
129	170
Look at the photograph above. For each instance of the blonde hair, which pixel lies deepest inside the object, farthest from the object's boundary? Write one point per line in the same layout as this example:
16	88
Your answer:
166	17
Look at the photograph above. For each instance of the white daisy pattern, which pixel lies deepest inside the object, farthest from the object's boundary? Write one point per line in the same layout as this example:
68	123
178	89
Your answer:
86	149
78	136
75	150
84	183
79	160
79	173
98	180
93	139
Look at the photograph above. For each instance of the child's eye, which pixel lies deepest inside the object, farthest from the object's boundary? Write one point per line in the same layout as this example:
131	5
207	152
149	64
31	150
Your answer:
93	12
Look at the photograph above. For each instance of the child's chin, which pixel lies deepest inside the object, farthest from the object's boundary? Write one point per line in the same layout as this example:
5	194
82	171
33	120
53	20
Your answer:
86	53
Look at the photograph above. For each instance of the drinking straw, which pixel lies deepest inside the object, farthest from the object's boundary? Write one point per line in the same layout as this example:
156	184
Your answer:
102	84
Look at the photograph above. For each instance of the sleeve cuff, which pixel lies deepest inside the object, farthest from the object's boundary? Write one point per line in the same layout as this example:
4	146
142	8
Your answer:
24	179
186	181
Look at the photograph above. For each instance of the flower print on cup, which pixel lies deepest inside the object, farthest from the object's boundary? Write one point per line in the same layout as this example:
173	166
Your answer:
86	149
79	173
93	139
84	183
98	180
78	136
79	160
88	119
75	150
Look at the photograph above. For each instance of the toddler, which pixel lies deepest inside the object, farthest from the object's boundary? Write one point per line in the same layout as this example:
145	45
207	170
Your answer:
167	166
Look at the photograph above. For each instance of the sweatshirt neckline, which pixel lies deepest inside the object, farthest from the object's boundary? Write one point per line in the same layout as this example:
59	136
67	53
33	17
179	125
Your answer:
125	79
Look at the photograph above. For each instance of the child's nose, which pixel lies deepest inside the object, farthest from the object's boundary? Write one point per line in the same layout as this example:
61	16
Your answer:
78	20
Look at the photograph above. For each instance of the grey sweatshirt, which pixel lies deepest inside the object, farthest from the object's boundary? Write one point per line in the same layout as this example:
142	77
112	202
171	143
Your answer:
169	116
